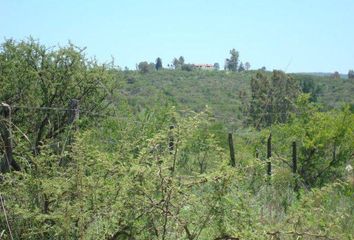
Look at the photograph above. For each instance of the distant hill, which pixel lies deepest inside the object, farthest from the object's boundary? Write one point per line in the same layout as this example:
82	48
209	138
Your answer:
322	74
219	90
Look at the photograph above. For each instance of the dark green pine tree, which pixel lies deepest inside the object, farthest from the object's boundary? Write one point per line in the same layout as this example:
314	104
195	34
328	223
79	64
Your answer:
158	64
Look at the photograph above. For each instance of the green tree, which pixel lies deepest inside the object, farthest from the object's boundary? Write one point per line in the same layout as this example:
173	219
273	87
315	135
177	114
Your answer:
247	66
336	75
350	74
36	79
325	141
226	64
241	68
260	103
232	63
158	64
272	100
152	66
176	63
187	67
144	67
181	60
308	85
284	92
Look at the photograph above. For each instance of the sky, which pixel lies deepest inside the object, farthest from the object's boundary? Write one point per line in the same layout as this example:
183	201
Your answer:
290	35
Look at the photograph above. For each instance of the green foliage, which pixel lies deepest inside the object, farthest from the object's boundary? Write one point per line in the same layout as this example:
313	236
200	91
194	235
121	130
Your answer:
350	74
178	63
181	60
232	63
308	85
326	142
145	67
309	218
158	64
139	190
34	78
272	100
190	90
228	94
247	66
120	171
335	75
187	67
241	68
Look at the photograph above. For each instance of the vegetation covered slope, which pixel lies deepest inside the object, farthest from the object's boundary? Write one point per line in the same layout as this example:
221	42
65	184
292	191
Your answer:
221	91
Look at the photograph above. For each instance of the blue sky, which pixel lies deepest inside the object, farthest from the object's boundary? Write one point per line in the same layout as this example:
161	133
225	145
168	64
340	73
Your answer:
292	35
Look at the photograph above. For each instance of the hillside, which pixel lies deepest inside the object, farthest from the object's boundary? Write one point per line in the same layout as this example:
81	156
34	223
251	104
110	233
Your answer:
220	90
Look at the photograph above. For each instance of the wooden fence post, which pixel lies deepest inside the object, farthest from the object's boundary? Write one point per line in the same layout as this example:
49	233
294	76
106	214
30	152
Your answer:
269	155
73	112
232	151
334	153
269	146
171	141
294	166
6	135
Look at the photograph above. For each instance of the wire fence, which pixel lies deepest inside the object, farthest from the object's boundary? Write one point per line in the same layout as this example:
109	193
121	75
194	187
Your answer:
116	114
270	163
